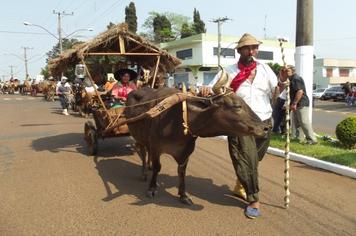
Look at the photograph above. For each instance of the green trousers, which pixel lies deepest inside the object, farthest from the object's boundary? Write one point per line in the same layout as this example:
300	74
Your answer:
245	153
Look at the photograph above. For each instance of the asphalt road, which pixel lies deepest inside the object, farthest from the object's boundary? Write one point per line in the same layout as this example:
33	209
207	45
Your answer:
327	114
49	186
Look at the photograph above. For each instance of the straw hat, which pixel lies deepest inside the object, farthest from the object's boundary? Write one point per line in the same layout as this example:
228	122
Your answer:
247	40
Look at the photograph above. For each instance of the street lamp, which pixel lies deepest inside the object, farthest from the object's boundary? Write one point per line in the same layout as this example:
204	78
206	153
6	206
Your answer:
78	30
30	24
59	37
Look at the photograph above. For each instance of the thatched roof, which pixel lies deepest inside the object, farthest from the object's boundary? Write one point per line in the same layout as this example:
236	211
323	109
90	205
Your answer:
108	41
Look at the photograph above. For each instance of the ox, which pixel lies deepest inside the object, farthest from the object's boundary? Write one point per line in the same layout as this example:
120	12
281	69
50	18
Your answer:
223	114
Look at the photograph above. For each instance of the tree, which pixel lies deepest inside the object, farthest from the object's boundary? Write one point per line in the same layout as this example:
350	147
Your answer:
162	28
176	21
198	24
67	44
45	72
110	25
275	67
186	31
131	18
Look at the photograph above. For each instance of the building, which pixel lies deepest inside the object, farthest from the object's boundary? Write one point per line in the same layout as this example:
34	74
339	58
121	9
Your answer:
329	72
199	56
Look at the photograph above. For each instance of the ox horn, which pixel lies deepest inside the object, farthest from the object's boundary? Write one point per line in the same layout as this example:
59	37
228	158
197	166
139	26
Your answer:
220	86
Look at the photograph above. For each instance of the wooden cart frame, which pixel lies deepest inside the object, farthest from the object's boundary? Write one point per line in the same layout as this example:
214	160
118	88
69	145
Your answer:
117	41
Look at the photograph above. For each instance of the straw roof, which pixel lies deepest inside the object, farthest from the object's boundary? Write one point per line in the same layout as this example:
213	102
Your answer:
108	41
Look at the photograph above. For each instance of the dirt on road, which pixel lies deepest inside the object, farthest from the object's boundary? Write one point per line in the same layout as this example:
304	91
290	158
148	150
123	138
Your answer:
49	186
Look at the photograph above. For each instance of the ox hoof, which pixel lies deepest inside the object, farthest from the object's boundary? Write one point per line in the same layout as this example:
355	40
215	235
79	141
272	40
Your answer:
186	200
151	193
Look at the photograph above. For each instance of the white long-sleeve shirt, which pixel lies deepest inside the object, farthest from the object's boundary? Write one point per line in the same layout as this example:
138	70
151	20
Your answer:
257	94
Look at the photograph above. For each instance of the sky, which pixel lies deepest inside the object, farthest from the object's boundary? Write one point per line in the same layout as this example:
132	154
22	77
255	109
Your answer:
334	33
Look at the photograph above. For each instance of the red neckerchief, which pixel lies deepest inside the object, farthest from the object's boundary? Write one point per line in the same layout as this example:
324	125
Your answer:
245	72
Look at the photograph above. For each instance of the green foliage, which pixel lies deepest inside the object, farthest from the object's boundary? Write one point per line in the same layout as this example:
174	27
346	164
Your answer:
45	72
67	44
198	24
130	17
275	67
176	21
186	31
346	132
324	150
110	25
162	28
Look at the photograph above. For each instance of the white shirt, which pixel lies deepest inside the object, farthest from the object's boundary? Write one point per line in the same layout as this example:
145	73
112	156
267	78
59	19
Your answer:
258	93
283	95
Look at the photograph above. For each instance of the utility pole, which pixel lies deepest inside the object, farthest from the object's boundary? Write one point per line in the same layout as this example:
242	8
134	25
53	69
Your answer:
265	27
26	61
219	21
60	14
12	71
304	51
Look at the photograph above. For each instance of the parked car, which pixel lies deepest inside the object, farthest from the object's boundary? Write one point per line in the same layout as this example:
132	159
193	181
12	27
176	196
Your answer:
335	93
318	93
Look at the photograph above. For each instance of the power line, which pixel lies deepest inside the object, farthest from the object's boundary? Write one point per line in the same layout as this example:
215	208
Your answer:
21	32
104	12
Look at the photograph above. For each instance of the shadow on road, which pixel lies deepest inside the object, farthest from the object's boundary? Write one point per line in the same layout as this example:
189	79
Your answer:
74	142
125	176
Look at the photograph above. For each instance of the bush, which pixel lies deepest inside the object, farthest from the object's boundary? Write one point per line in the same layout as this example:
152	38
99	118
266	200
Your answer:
346	132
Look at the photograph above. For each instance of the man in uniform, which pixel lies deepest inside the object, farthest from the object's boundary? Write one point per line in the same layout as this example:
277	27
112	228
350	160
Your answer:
255	83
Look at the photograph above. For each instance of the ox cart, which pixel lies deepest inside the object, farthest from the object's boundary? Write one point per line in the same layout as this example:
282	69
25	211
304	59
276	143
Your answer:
117	48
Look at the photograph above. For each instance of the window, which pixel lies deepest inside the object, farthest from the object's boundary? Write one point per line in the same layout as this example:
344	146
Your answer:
225	52
208	77
329	72
265	55
179	79
343	72
185	54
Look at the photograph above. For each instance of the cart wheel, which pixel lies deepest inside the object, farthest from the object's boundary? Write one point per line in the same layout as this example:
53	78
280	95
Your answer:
91	138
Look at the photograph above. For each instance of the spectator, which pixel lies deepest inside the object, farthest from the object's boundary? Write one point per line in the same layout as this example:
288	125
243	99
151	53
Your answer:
299	104
64	90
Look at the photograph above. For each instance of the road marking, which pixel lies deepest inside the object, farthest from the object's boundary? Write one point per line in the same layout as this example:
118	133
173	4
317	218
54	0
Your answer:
17	99
341	112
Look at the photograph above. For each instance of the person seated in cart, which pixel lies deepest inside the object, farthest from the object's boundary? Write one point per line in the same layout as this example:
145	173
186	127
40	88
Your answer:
110	83
121	90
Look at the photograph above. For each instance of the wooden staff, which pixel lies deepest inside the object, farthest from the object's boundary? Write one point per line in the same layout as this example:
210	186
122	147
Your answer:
286	151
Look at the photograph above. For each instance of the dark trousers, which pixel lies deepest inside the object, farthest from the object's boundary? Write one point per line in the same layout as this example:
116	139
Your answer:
245	153
278	115
64	101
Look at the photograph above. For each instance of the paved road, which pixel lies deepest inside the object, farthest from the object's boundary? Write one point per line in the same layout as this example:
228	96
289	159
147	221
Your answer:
327	114
48	186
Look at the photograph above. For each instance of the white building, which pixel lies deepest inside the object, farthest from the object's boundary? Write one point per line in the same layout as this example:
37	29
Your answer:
329	72
199	56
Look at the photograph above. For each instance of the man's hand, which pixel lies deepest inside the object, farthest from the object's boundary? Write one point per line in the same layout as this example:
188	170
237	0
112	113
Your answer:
293	107
284	73
205	91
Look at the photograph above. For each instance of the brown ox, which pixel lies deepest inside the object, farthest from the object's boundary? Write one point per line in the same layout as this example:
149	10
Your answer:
225	114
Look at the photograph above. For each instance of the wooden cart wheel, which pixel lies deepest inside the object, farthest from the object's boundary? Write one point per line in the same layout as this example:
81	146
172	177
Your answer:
91	138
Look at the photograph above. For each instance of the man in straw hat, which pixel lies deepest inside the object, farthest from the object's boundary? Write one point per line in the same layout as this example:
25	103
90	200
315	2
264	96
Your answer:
255	83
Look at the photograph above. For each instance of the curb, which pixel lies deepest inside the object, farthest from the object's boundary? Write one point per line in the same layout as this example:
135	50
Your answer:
310	161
